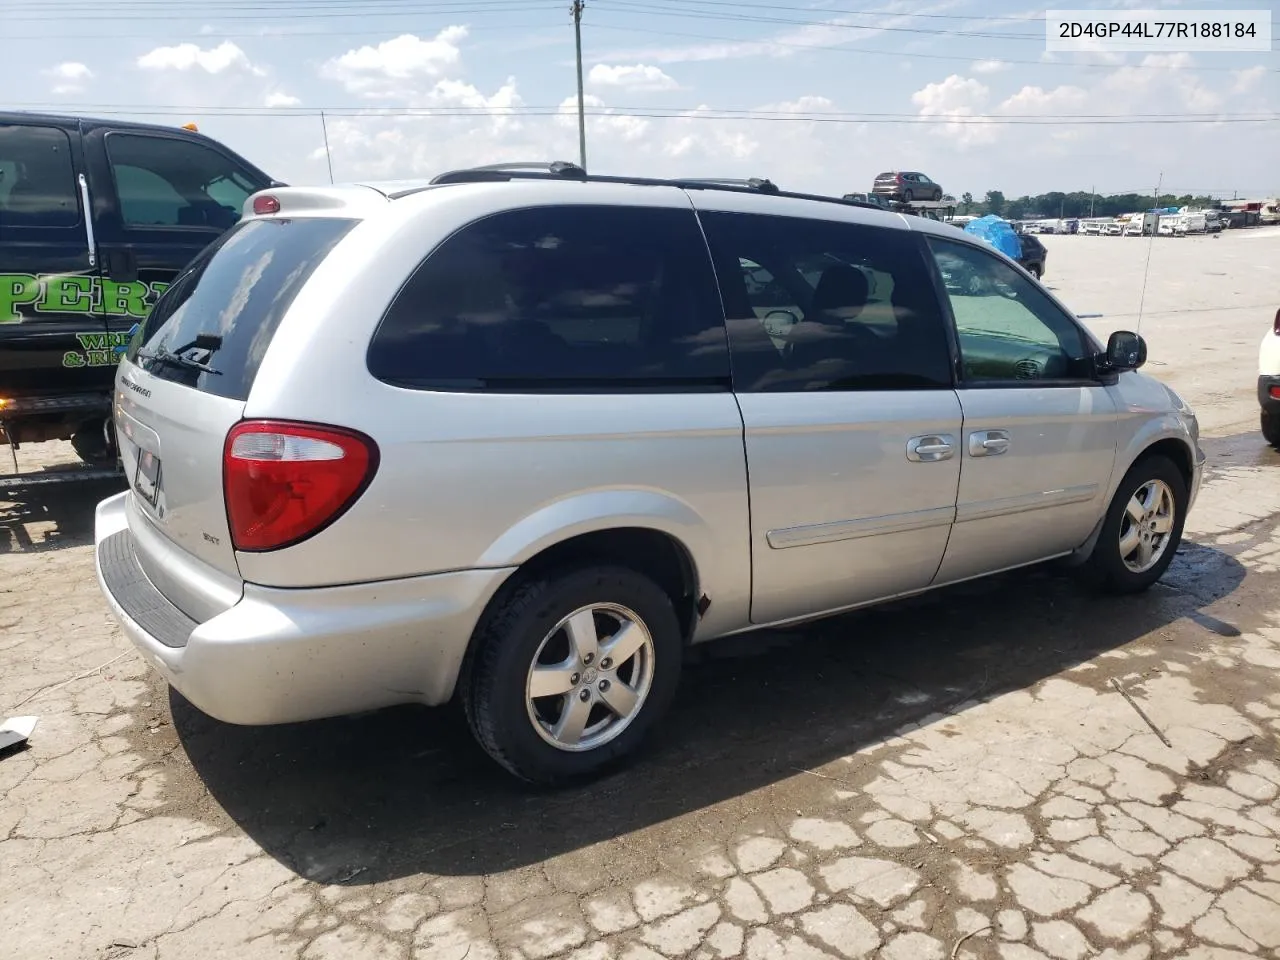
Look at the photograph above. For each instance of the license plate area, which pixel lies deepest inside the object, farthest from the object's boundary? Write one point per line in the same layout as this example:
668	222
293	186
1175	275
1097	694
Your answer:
146	481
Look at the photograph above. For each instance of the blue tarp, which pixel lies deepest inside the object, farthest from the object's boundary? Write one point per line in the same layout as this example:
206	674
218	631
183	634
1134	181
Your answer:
997	233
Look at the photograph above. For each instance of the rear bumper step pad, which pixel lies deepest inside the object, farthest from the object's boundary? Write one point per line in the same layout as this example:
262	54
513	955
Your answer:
139	598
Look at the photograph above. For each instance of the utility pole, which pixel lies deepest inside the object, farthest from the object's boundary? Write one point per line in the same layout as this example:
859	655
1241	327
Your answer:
576	10
1092	190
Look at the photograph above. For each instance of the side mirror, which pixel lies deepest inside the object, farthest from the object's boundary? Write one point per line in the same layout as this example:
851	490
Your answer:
1126	351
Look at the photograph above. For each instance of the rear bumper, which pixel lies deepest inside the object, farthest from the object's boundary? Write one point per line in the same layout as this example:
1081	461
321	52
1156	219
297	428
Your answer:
280	656
1269	403
33	405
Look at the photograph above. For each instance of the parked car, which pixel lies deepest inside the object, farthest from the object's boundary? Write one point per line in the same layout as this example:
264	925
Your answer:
519	436
906	186
1269	383
1034	254
874	198
96	218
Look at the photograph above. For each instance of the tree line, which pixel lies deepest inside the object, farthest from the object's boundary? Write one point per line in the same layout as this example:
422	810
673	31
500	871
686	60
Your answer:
1073	205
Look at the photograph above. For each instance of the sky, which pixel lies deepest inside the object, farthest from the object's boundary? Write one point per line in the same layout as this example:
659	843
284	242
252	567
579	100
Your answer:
816	95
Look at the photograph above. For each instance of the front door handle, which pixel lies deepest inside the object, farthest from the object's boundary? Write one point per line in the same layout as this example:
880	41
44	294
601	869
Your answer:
988	443
931	448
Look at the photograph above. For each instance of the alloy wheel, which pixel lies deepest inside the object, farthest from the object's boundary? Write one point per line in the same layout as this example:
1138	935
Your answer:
590	677
1147	525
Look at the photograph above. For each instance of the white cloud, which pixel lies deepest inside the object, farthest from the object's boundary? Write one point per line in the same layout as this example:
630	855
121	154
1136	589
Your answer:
1035	101
955	99
481	128
639	76
188	56
805	104
828	33
990	66
278	98
389	68
69	77
1248	79
600	119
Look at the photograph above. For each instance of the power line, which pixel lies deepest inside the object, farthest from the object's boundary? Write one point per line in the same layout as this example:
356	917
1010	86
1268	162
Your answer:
262	33
621	109
842	11
626	6
511	6
673	114
866	51
71	5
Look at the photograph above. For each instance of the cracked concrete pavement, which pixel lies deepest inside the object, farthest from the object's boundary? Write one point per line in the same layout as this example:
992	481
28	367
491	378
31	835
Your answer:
954	776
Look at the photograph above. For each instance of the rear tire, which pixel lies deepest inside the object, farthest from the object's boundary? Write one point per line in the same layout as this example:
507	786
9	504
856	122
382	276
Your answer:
1142	529
595	711
1036	271
94	443
907	196
1271	429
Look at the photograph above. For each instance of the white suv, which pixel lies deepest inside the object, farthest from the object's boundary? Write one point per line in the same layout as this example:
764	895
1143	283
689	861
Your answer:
1269	383
519	436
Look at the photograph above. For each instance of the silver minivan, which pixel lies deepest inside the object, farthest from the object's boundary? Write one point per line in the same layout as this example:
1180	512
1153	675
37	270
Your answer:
518	436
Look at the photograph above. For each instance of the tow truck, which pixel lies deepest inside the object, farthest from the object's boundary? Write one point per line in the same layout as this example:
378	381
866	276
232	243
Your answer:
97	217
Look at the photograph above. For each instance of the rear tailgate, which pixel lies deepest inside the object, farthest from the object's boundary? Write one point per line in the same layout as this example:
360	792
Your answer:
183	385
885	183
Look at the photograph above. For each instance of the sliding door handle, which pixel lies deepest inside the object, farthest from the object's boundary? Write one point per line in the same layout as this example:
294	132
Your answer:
931	448
988	443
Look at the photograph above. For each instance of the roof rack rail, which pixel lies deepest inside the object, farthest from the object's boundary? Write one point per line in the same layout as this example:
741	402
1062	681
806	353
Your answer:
504	171
761	184
563	170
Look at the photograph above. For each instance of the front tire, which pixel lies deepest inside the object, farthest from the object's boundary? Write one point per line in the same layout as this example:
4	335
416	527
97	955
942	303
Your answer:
571	671
1143	527
1271	429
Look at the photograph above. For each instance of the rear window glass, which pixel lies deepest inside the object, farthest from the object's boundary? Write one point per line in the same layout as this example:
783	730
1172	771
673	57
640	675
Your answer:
37	183
575	298
223	309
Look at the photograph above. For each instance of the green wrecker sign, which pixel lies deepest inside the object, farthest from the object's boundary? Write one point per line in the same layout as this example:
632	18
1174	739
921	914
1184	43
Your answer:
26	297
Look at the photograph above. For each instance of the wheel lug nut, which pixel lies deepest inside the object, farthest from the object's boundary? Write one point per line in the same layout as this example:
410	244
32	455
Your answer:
575	678
588	658
584	695
604	684
606	663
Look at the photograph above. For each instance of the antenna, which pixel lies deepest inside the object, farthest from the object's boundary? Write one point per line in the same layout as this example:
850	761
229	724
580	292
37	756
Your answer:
1147	269
324	127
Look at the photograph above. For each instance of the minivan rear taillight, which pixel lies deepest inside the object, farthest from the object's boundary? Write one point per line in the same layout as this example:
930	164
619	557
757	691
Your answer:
285	482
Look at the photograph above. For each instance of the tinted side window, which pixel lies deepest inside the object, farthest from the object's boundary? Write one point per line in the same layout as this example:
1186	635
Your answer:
168	182
1008	329
860	311
37	180
560	298
236	291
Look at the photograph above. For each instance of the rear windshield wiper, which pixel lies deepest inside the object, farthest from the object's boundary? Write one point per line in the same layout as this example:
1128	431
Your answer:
204	344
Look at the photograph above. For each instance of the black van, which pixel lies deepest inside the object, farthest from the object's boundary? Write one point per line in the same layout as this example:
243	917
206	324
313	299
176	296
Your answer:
96	218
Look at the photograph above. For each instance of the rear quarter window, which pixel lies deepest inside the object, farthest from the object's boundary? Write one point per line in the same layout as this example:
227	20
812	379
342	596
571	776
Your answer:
560	299
236	291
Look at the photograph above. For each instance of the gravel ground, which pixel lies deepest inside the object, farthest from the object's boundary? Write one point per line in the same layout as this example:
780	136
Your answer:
873	786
